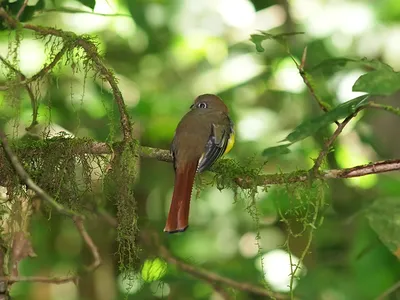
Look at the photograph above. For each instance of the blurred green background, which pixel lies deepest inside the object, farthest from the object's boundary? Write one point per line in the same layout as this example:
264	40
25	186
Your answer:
164	54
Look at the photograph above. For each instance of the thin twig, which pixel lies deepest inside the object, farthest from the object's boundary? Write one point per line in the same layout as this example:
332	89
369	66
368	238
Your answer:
21	10
89	242
388	108
44	279
389	291
43	71
303	59
26	179
32	96
303	74
324	152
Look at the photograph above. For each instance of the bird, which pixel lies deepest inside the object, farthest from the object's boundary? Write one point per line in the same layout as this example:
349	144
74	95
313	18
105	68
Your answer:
203	135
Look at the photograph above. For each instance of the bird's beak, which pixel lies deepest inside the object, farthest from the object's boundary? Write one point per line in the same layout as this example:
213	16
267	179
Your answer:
191	106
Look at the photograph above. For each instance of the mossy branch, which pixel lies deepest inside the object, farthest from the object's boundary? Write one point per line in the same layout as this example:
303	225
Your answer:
226	166
76	217
72	40
27	180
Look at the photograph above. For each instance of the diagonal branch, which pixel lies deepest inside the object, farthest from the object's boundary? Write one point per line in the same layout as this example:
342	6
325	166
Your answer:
389	291
21	10
216	281
213	278
27	180
89	242
306	80
77	218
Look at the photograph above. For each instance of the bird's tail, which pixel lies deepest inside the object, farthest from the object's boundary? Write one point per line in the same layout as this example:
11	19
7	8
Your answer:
178	216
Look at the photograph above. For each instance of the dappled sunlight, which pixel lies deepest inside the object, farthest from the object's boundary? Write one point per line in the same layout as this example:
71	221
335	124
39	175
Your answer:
322	19
287	77
270	238
31	57
342	83
129	282
276	267
255	124
353	152
236	13
93	23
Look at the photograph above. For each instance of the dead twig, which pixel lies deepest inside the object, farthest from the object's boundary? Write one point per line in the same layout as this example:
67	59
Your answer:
21	10
324	152
389	291
89	242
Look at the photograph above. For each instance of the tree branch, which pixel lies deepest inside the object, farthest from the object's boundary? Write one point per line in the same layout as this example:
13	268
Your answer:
21	10
77	218
267	179
100	148
27	180
388	108
89	242
389	291
44	279
306	80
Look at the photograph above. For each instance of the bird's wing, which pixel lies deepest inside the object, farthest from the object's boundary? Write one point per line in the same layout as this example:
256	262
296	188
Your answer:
215	147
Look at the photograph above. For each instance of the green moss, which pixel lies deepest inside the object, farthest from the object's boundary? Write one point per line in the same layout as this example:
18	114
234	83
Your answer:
119	189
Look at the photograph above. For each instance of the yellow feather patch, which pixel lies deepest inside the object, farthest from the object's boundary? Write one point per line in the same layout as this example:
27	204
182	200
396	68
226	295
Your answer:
231	142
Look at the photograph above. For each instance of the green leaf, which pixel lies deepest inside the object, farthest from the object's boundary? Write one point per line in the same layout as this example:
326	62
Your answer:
257	39
309	127
89	3
153	269
383	216
383	82
277	150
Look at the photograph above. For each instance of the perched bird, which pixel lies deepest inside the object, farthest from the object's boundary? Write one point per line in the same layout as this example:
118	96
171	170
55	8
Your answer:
203	135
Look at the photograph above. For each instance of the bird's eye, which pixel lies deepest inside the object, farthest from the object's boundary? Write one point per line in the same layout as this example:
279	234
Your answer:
202	105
